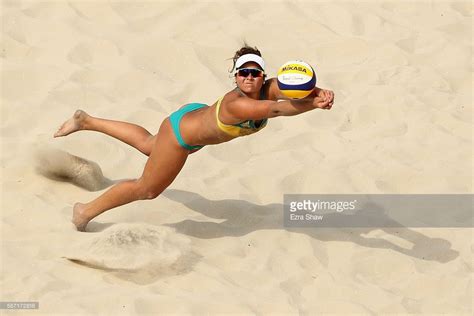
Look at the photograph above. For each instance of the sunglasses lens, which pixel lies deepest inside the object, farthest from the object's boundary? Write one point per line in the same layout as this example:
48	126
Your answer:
250	71
256	72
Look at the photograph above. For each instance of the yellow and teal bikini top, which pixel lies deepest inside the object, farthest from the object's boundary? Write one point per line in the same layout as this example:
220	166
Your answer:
240	129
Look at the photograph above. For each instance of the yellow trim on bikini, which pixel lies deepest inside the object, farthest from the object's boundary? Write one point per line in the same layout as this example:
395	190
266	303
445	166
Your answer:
231	130
240	129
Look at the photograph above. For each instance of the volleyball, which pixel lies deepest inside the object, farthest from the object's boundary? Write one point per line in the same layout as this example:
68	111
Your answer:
296	79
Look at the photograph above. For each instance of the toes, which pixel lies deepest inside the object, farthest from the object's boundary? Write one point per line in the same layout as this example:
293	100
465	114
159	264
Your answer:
58	132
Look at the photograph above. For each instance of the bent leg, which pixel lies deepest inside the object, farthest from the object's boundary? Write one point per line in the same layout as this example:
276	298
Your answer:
131	134
166	161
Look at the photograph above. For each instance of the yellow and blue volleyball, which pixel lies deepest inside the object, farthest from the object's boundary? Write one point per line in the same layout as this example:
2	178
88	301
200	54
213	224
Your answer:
296	79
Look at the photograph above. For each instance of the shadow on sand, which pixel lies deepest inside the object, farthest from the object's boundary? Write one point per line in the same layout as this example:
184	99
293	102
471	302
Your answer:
241	218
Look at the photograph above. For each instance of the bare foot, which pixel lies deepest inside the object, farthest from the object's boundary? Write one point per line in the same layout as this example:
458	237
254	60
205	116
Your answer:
74	124
78	218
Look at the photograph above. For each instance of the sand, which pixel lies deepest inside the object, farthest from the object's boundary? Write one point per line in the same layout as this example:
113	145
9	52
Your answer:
214	242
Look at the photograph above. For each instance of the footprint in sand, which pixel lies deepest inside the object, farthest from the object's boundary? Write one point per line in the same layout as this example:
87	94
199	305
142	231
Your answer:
100	52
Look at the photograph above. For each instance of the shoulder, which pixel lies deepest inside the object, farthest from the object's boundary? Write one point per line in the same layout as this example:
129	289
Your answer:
233	101
272	92
243	108
230	100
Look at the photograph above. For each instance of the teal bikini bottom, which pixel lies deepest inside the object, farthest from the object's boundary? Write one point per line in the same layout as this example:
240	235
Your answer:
175	119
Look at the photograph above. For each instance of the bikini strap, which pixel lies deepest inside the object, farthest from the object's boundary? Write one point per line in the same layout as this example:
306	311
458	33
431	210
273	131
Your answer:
218	107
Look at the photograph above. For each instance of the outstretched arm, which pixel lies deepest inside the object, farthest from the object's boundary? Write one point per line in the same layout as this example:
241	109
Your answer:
245	108
273	92
318	99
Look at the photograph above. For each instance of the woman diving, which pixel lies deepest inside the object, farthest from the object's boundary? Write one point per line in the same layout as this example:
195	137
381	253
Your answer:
241	111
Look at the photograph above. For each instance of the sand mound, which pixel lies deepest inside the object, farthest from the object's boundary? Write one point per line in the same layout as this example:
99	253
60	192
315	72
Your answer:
133	247
59	165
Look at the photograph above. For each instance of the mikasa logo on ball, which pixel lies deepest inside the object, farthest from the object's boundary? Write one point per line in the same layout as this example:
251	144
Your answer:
296	79
293	67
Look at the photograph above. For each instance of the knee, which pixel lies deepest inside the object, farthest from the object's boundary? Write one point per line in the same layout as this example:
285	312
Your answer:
147	192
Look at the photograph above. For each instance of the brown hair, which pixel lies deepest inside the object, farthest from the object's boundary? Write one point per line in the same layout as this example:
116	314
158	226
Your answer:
244	50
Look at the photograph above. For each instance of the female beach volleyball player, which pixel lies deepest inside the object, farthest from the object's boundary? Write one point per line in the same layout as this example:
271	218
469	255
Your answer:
241	111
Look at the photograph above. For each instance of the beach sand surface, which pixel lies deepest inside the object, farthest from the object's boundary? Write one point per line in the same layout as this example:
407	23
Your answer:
214	242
